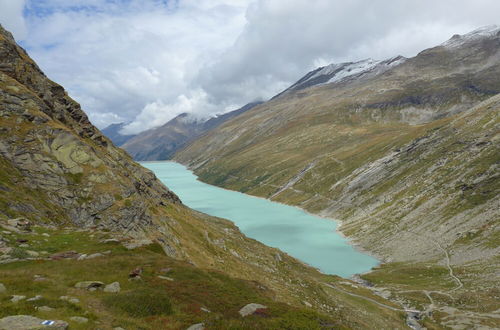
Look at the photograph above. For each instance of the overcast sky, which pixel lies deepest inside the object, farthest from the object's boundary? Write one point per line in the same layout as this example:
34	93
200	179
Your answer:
145	61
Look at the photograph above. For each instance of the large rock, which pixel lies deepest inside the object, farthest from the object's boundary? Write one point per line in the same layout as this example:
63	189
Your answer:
250	309
20	223
26	322
3	289
16	298
197	326
89	285
112	288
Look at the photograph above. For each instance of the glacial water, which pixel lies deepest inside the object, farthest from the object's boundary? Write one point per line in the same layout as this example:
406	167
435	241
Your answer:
304	236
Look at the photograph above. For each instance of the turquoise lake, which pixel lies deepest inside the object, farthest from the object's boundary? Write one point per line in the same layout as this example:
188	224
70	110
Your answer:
304	236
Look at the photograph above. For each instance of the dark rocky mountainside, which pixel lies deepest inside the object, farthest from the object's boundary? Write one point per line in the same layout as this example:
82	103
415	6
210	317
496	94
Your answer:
54	154
163	142
405	157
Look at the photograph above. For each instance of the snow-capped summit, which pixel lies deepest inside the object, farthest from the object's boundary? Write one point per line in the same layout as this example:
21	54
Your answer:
483	32
350	70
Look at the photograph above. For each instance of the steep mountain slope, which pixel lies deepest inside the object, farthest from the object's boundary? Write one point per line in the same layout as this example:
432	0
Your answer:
163	142
59	173
406	158
112	132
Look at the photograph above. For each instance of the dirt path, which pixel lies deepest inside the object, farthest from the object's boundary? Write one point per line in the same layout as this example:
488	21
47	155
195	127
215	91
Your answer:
459	283
371	300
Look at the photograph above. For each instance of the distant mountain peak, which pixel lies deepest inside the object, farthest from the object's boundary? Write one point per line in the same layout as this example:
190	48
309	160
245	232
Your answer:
480	33
337	72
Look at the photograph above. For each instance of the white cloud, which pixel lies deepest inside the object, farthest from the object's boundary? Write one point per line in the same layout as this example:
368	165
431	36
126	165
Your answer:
148	60
11	17
285	38
157	113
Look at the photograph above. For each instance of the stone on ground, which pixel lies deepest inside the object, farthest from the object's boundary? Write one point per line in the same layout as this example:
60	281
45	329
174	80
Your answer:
16	298
197	326
95	255
112	288
79	319
35	298
70	299
250	309
89	285
27	322
44	309
2	288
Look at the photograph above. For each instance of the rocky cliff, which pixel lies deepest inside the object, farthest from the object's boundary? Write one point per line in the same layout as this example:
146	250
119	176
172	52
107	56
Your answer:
67	169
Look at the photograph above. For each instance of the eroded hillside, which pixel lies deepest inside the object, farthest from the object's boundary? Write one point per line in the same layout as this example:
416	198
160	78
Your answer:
406	158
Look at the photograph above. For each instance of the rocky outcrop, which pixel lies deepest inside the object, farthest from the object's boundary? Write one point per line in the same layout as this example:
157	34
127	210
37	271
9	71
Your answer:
48	146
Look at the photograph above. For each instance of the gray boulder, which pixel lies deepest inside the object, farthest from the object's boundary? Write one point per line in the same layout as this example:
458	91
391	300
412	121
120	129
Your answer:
26	322
112	288
16	298
3	289
89	285
250	309
197	326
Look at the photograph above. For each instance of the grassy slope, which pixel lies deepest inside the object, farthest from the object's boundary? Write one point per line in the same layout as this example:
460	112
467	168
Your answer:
445	172
357	152
180	301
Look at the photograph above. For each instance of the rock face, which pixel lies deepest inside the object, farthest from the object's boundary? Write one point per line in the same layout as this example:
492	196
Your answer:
48	145
404	156
25	322
163	142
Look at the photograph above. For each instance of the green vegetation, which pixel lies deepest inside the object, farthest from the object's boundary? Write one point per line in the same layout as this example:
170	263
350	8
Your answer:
140	303
149	302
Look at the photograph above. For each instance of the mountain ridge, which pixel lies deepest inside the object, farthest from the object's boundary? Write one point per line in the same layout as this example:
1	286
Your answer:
406	160
162	142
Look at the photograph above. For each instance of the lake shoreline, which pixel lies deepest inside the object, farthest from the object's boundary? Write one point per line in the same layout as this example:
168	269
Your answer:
336	224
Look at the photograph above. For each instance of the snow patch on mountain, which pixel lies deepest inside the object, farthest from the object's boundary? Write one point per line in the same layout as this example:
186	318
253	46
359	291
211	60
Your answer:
483	32
338	72
354	68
